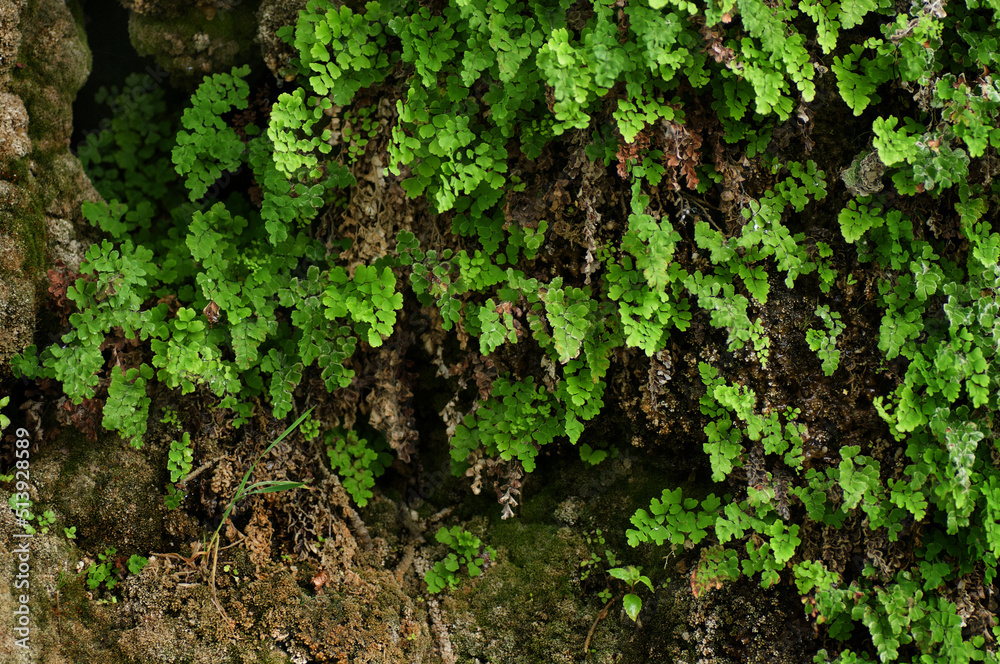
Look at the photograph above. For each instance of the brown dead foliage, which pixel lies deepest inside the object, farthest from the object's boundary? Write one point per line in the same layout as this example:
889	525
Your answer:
680	143
731	163
121	353
630	152
387	403
681	153
714	47
378	208
524	208
60	279
258	535
86	416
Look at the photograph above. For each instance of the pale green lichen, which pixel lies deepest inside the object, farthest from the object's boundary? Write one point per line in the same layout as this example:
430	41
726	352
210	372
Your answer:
864	176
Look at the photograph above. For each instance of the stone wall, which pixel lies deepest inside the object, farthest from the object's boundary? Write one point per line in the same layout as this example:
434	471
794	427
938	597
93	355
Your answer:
44	60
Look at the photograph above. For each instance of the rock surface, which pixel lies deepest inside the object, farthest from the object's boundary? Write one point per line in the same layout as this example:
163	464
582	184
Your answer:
44	60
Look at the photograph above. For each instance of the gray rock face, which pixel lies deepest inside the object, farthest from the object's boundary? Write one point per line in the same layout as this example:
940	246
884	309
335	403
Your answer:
14	140
44	60
864	176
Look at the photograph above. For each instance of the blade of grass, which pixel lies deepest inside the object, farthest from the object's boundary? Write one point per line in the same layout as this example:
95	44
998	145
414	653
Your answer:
266	486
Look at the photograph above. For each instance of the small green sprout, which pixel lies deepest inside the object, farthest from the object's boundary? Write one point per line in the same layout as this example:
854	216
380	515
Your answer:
46	519
466	551
173	498
631	575
180	458
310	428
136	563
171	418
98	573
592	456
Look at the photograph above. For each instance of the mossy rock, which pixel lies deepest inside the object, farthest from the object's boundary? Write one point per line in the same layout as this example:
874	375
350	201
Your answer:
108	490
44	60
63	621
17	309
272	15
527	607
192	45
53	63
174	8
740	623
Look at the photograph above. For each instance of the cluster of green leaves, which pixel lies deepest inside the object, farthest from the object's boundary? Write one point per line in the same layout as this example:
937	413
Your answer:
943	406
358	130
137	563
369	299
725	435
764	235
310	428
825	271
466	550
519	418
457	159
956	113
42	523
678	520
103	571
858	478
111	299
123	160
357	462
894	615
648	286
950	372
824	342
24	510
593	456
674	519
226	268
644	282
340	52
905	611
179	458
174	497
206	133
171	418
576	332
716	565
